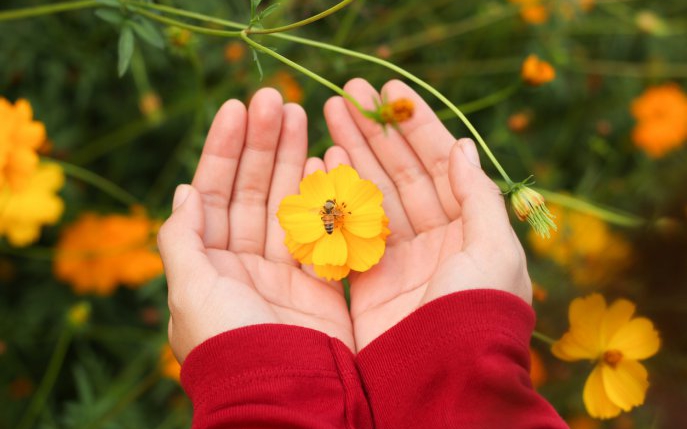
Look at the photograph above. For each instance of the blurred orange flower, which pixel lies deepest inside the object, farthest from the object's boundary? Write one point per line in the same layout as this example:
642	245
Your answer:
616	341
97	253
532	11
536	72
169	366
585	245
20	138
288	86
661	114
36	204
537	369
234	51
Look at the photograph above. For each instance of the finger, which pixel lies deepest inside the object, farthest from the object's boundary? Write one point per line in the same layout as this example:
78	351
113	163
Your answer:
313	164
214	178
486	227
180	240
346	134
288	171
414	184
248	209
335	156
430	140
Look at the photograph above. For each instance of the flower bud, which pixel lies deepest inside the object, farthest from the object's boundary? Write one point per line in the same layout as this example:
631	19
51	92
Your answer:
529	205
79	314
392	113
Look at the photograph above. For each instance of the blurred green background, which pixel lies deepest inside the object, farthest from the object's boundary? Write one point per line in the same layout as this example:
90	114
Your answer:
143	133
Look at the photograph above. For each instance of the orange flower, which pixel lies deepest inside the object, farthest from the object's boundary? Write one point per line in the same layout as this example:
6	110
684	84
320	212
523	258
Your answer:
169	366
537	72
532	11
397	111
519	122
661	113
537	369
234	51
96	253
288	86
20	138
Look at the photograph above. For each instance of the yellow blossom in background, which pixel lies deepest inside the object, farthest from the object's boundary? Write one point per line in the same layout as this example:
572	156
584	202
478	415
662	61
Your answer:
536	72
97	253
661	114
169	366
336	223
532	11
20	138
616	342
288	86
585	245
23	212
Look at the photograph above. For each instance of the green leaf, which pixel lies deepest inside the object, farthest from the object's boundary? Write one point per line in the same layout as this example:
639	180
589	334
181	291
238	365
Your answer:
257	62
147	31
111	16
268	11
126	49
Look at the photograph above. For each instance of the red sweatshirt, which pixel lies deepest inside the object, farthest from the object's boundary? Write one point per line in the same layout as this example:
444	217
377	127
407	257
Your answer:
461	361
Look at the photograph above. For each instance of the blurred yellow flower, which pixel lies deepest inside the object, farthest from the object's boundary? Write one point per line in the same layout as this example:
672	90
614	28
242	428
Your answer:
585	245
288	86
661	114
169	366
336	223
616	341
536	72
532	11
24	211
97	253
20	138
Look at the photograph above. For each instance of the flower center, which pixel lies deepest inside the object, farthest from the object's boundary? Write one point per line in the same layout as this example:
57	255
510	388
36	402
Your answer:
613	357
332	215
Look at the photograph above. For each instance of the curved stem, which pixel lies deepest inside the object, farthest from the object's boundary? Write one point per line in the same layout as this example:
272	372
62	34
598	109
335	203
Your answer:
97	181
415	79
306	21
48	381
303	70
190	27
185	13
46	9
545	338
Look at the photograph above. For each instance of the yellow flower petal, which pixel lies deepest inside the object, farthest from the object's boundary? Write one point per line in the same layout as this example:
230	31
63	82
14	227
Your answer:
344	177
330	249
317	188
617	315
363	253
365	222
361	195
597	402
302	252
636	339
300	219
332	272
569	348
625	384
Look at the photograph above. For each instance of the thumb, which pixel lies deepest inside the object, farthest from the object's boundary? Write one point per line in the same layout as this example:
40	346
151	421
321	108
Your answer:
484	215
180	241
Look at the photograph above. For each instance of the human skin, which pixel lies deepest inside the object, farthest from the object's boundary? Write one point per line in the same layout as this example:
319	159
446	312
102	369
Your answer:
222	247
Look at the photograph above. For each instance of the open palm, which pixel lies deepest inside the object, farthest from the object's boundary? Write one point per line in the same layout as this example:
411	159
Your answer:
226	264
450	230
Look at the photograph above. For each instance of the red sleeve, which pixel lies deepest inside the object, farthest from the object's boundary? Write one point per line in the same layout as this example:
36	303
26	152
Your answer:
274	376
461	361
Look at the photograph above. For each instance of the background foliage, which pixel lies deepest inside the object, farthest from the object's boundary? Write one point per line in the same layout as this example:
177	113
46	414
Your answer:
144	132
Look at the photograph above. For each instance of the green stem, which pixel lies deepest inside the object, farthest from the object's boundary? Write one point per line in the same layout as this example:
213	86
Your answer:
545	338
46	9
56	361
413	78
347	23
482	103
306	21
175	23
97	181
185	13
303	70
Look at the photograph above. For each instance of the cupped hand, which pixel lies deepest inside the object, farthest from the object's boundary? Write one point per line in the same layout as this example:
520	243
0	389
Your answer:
222	247
449	227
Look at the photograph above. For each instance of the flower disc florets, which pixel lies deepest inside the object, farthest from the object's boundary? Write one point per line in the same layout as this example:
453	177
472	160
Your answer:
336	223
392	112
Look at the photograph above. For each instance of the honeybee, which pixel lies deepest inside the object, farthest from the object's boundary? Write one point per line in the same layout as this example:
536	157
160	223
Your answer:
330	214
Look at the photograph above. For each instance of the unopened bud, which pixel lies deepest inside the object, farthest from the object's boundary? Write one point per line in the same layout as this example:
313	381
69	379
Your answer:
529	205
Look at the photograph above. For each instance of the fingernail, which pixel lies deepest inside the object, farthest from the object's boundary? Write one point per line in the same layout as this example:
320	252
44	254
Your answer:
470	151
180	196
